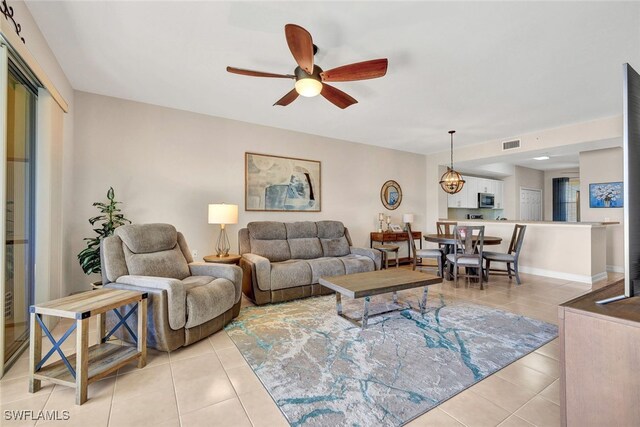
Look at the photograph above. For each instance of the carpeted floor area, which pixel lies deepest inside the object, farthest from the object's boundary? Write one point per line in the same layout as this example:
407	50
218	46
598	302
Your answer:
320	369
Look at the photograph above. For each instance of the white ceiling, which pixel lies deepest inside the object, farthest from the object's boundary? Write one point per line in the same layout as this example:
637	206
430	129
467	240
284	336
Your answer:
488	70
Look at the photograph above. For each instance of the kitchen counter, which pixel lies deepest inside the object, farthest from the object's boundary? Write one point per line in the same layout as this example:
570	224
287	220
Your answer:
557	223
574	251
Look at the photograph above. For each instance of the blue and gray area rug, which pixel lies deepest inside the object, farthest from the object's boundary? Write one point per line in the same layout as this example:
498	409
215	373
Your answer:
322	370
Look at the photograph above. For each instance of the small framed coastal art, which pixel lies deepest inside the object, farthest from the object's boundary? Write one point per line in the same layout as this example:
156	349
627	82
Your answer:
276	183
606	195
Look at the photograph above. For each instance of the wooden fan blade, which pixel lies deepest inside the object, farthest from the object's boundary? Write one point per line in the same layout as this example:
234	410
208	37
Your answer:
258	73
337	97
300	45
287	99
358	71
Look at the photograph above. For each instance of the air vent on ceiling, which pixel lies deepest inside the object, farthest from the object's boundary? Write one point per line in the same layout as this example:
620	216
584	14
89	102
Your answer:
511	145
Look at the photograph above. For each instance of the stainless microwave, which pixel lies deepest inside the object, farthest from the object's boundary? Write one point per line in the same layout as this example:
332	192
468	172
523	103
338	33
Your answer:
486	200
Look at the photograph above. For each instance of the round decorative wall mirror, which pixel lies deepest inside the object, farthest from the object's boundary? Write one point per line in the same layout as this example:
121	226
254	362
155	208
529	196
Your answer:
391	195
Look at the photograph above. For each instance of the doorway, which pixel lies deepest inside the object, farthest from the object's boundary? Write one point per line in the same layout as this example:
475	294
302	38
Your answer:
530	204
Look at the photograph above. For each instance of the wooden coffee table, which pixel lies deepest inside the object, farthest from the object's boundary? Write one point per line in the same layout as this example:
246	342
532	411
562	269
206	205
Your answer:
366	285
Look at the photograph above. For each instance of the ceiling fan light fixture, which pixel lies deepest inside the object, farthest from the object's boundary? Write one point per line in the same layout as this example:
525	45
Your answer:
308	87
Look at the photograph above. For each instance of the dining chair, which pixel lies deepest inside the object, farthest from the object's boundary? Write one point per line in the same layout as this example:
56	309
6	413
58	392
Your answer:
445	227
469	243
436	254
511	257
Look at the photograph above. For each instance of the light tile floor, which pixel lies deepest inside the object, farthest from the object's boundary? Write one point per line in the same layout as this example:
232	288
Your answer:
209	383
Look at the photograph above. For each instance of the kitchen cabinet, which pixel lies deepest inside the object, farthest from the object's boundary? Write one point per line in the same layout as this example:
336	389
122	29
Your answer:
472	193
467	198
456	200
499	195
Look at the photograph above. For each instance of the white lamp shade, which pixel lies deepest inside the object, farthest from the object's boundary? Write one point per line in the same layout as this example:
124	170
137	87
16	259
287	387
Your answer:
223	214
407	218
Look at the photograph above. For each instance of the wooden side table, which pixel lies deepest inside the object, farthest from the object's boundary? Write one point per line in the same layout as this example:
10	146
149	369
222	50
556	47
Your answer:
229	259
88	364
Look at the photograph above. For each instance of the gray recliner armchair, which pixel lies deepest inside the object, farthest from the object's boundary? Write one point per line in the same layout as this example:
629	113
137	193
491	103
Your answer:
188	300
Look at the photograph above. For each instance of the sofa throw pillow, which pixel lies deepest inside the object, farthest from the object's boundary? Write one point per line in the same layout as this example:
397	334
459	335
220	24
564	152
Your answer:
335	247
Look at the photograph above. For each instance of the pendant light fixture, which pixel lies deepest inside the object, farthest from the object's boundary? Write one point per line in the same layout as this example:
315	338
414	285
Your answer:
451	181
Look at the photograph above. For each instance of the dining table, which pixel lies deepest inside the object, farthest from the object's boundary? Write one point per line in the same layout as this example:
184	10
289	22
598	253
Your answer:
450	239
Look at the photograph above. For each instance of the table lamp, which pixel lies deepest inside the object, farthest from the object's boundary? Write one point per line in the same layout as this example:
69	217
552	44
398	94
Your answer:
407	219
223	214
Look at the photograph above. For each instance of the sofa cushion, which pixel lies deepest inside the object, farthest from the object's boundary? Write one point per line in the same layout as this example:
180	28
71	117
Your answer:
193	281
332	238
330	229
302	229
267	230
335	247
269	239
357	264
289	274
147	238
273	250
207	298
325	267
305	248
169	263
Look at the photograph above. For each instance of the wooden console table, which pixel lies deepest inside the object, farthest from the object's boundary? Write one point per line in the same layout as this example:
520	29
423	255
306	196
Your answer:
599	359
390	236
89	364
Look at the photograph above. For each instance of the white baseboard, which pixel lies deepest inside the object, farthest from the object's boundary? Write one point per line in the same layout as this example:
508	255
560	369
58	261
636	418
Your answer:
587	280
615	268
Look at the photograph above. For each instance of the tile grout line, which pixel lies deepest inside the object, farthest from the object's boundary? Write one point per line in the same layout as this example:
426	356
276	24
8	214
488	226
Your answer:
175	391
229	379
113	393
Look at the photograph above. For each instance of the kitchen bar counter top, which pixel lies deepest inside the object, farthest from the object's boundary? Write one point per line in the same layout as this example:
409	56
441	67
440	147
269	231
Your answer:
557	223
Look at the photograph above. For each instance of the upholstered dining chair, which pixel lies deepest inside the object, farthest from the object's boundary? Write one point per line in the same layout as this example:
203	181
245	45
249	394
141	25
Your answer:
511	257
468	252
436	254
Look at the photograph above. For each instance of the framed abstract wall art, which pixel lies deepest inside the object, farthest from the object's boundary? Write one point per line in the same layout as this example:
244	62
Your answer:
275	183
606	195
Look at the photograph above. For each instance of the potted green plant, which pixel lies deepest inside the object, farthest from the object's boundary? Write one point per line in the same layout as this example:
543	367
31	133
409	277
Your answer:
110	218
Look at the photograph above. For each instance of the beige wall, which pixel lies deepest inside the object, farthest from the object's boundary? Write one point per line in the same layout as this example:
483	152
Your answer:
166	165
548	187
604	166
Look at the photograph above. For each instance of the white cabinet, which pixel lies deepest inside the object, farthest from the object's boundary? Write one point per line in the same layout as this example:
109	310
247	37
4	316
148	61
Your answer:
499	195
472	192
456	200
467	198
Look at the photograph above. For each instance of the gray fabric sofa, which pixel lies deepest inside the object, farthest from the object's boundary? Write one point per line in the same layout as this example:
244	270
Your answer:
283	261
188	300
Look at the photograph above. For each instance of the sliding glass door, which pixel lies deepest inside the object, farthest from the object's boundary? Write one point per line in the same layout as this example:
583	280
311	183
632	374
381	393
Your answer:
19	211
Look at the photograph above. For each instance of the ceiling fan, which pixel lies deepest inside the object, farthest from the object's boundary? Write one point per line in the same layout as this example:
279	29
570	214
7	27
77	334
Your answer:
310	79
